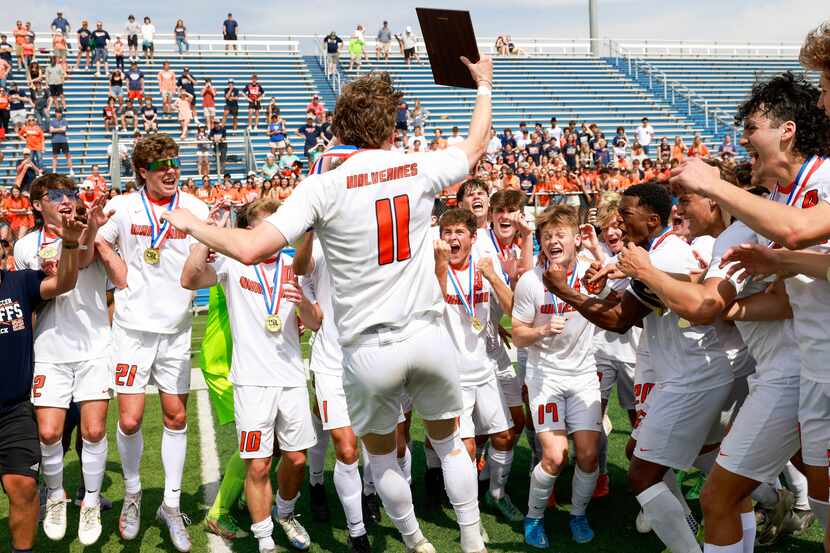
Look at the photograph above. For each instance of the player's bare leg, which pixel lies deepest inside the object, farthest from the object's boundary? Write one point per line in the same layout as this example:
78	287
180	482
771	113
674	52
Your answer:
50	430
727	510
258	497
290	475
23	509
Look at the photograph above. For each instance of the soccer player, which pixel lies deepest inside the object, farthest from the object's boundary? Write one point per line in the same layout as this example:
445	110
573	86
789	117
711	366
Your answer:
471	283
72	339
562	384
20	293
693	376
151	327
786	134
270	393
372	217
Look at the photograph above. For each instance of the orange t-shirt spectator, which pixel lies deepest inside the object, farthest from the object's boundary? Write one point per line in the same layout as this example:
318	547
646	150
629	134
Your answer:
32	134
18	210
317	107
698	149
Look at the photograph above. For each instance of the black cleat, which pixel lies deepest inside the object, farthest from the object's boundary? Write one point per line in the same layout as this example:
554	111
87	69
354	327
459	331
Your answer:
371	509
360	544
319	504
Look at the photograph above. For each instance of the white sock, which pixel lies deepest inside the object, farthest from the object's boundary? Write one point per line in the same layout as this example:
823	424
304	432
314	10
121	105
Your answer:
734	548
51	462
666	517
766	495
317	453
541	486
94	456
263	531
433	461
405	463
396	496
347	484
749	528
461	485
705	461
368	477
583	486
285	507
499	463
173	450
797	483
130	449
820	509
602	453
670	479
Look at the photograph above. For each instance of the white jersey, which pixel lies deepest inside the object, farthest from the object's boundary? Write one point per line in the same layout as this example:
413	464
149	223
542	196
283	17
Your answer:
570	353
372	215
154	300
326	355
772	343
688	359
474	364
74	326
810	297
736	350
613	345
261	357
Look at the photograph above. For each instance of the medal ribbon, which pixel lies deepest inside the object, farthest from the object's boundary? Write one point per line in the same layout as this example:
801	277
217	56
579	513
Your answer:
503	251
802	178
571	282
655	243
40	240
469	306
336	152
158	232
272	296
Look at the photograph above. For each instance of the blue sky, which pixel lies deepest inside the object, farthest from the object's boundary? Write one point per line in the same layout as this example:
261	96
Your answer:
710	20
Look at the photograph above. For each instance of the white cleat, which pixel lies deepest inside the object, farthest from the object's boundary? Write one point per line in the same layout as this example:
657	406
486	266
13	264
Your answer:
294	531
130	520
54	519
176	522
422	546
89	526
642	524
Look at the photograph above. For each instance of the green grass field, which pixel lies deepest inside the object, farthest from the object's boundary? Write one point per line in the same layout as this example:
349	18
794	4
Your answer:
612	518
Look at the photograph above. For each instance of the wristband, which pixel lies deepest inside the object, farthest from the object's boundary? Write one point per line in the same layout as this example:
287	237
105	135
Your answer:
70	245
484	90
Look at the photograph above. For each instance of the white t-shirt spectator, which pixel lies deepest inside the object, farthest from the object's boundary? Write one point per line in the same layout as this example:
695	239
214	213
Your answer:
148	31
409	41
645	134
453	140
556	132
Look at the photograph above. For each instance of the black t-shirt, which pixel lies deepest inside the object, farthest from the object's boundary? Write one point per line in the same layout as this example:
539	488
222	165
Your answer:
332	43
100	38
186	84
19	295
231	96
83	36
310	134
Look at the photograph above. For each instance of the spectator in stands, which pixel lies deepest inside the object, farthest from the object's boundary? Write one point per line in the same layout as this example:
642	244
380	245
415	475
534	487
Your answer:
124	159
418	135
310	132
229	28
60	24
209	103
231	96
100	40
501	45
383	42
88	193
32	134
664	150
19	40
402	116
277	130
409	43
188	82
6	60
287	161
135	83
620	143
202	151
356	45
96	181
555	131
180	32
726	149
326	134
148	35
645	134
332	43
4	113
254	92
118	52
185	113
132	29
167	88
638	153
149	115
117	86
84	46
317	107
418	116
570	152
455	137
18	210
270	167
678	151
218	136
698	148
60	49
55	76
60	144
128	111
34	74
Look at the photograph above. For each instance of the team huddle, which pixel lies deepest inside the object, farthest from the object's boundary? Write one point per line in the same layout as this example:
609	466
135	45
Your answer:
711	329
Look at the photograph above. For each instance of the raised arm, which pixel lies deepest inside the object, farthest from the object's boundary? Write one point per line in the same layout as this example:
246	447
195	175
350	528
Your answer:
478	135
442	263
67	275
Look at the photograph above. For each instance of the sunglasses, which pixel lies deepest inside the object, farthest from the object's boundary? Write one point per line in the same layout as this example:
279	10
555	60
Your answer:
163	164
56	195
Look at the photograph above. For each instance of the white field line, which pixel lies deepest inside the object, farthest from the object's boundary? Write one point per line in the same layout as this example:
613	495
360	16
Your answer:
210	463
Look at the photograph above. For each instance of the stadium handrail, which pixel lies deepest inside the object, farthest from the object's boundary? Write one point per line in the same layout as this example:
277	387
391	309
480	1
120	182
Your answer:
681	48
166	42
335	79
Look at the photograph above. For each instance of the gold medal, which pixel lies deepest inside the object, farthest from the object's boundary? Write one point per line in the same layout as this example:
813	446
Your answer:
152	256
476	324
683	323
48	252
273	323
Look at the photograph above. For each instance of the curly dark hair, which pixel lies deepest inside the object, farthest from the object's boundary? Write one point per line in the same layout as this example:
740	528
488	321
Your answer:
788	97
152	148
653	197
815	52
364	115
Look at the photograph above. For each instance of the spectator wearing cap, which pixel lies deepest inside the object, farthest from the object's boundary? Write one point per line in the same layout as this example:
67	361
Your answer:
60	144
33	136
229	28
148	35
132	29
231	95
60	24
317	107
100	40
384	42
645	134
409	42
88	193
332	43
254	92
270	167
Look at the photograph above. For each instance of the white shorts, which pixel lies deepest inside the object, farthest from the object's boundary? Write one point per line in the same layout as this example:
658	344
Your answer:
814	418
644	378
730	410
167	94
612	371
485	411
382	363
765	433
59	384
331	401
676	425
260	410
200	154
138	356
565	403
511	389
209	112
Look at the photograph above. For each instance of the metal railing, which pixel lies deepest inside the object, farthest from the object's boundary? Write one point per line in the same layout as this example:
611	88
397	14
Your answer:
334	78
681	48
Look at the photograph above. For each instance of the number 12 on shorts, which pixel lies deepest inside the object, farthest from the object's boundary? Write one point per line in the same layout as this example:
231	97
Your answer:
551	408
125	374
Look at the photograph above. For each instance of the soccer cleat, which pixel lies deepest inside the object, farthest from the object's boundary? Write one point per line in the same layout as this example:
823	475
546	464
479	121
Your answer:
225	527
294	531
89	525
130	520
797	521
602	488
772	525
580	529
359	544
176	522
535	533
371	508
54	518
504	506
422	546
552	499
319	504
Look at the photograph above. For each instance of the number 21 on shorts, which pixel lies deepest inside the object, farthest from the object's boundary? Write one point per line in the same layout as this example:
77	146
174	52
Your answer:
125	374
